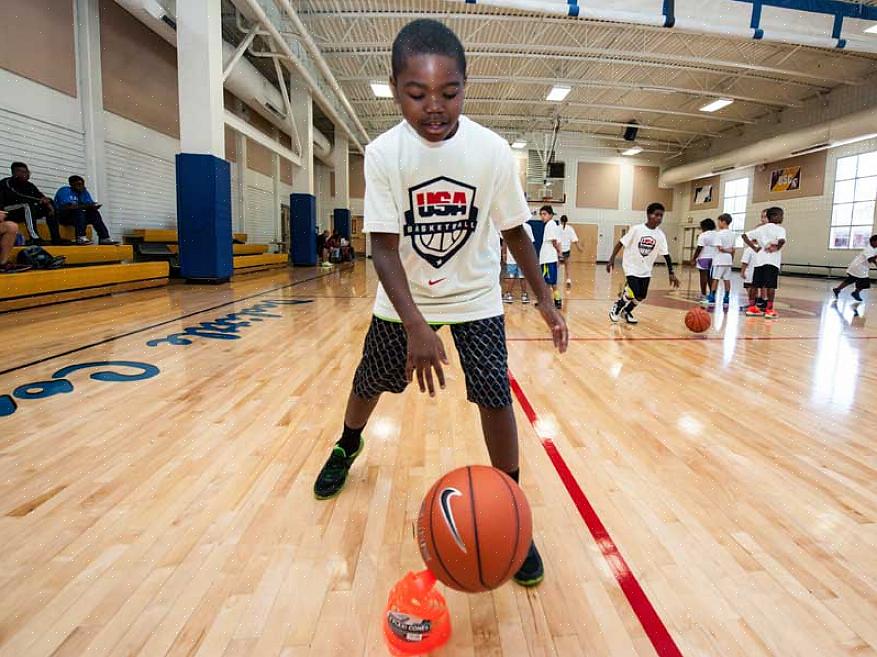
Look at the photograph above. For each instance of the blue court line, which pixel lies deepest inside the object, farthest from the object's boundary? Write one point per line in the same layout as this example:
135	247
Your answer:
169	321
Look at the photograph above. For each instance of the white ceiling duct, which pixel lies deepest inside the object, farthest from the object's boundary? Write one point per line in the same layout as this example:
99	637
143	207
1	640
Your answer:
245	81
852	127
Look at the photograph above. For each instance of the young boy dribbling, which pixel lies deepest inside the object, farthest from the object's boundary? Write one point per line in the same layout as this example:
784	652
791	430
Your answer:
642	245
434	183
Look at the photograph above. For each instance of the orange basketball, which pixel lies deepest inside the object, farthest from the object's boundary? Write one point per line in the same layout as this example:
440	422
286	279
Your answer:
697	320
474	528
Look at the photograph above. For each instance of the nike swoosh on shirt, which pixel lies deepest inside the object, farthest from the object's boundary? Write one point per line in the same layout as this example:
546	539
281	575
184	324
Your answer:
437	281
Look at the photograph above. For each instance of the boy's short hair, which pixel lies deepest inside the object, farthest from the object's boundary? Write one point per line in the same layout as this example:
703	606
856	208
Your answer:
774	212
873	239
546	208
654	207
73	179
563	219
425	36
726	218
17	165
708	224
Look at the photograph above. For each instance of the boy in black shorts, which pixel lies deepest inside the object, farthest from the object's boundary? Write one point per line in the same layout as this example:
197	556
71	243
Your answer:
642	244
434	184
858	271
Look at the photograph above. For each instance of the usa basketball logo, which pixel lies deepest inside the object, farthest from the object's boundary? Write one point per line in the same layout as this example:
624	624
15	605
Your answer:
646	245
441	218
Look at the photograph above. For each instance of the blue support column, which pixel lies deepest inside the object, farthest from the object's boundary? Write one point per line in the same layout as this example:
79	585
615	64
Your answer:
341	222
302	229
204	218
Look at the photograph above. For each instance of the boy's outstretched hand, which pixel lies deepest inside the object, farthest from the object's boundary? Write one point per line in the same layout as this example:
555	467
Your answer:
425	354
556	323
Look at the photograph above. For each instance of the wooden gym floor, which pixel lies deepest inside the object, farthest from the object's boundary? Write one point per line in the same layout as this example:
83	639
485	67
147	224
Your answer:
700	496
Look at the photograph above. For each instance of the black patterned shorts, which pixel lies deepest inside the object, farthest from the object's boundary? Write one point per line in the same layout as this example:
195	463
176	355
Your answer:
483	355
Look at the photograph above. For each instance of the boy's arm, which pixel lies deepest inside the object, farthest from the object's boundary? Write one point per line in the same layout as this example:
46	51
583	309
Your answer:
752	245
695	254
773	248
425	349
615	251
521	247
673	280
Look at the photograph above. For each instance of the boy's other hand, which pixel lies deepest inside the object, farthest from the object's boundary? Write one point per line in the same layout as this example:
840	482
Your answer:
609	267
425	354
556	323
674	281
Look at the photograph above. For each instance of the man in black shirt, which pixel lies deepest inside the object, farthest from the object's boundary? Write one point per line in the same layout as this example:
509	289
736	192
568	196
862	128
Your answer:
25	203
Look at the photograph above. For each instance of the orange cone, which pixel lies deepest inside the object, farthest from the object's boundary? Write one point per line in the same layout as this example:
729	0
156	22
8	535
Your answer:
416	620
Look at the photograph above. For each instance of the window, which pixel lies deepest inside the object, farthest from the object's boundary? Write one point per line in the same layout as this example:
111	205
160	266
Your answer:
855	192
736	193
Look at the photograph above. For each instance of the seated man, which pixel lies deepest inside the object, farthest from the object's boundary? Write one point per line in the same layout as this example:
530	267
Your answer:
25	203
8	232
76	208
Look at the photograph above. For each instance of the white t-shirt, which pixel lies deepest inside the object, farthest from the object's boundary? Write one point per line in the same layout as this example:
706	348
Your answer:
747	259
859	266
724	238
548	254
567	237
509	256
641	246
767	235
707	243
440	198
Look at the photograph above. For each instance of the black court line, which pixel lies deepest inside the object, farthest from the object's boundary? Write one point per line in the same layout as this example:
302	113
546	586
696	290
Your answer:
45	359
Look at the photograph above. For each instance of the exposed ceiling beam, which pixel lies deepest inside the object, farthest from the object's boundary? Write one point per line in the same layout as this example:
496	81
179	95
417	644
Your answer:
488	118
606	84
546	103
567	23
610	56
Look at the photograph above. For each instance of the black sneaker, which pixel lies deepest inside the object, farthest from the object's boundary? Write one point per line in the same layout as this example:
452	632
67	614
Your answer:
531	571
856	296
332	477
558	304
629	318
836	292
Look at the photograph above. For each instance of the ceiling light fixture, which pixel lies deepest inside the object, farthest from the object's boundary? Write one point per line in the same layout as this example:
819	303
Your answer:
635	150
519	145
716	105
381	90
558	93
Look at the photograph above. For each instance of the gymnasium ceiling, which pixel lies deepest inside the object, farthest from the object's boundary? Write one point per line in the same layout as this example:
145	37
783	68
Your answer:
618	73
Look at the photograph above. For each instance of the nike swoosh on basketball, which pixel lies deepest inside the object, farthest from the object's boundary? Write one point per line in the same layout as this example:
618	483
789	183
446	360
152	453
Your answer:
445	500
437	281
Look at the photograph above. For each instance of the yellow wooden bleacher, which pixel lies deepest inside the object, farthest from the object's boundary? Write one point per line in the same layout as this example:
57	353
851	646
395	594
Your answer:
87	255
67	232
247	257
236	249
37	288
168	236
249	263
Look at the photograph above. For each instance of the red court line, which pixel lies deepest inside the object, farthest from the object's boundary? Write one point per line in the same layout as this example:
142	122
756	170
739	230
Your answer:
682	338
652	624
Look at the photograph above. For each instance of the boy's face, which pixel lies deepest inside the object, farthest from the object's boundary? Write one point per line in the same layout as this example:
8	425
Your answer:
429	91
723	225
545	216
763	218
655	218
78	185
21	173
777	218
